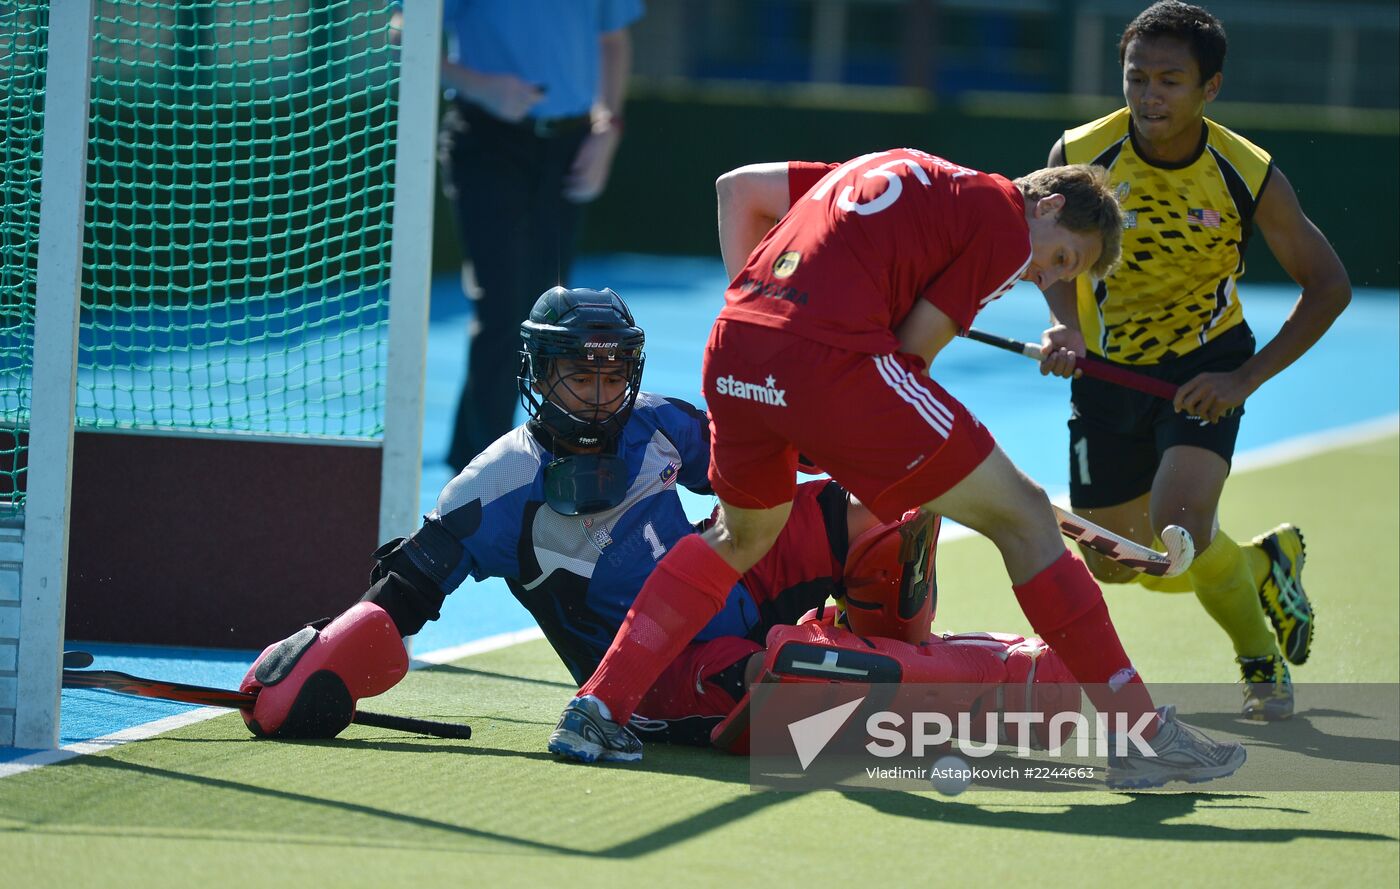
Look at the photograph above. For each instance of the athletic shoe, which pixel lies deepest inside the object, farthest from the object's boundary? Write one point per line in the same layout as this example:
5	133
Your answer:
1282	594
1268	689
586	733
1182	753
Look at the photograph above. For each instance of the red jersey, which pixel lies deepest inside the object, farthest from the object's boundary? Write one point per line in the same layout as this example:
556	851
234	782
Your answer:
864	239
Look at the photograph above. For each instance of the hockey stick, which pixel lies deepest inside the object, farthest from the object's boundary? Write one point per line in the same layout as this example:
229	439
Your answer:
1181	549
1091	366
124	683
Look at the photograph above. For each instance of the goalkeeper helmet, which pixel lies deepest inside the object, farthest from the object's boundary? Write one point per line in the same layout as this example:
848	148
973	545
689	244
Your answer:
584	327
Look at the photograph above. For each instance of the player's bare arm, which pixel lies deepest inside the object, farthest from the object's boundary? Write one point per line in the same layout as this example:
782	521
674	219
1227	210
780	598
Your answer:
751	201
925	331
1309	259
1062	343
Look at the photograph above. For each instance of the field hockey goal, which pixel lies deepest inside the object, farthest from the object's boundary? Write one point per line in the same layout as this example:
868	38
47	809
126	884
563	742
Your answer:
214	263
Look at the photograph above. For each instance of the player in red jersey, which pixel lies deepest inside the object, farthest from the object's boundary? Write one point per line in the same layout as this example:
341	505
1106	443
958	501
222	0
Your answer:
823	347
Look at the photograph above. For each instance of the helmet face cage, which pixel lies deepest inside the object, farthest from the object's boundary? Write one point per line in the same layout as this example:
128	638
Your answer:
589	326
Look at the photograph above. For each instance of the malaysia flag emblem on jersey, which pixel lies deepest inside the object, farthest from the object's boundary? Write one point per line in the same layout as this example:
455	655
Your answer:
1208	218
668	474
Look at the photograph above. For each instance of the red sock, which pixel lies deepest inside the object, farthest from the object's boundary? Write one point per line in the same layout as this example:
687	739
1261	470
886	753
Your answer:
688	587
1067	610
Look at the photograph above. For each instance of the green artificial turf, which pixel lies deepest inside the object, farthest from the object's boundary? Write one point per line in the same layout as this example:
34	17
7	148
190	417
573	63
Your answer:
209	806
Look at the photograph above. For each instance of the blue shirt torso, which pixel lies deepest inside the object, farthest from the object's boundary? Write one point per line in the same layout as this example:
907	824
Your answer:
551	43
578	575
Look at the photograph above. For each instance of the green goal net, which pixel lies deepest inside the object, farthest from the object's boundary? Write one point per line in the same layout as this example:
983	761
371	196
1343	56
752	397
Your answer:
23	39
210	207
239	200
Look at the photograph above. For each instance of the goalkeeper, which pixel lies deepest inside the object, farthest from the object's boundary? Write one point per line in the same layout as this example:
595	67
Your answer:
574	509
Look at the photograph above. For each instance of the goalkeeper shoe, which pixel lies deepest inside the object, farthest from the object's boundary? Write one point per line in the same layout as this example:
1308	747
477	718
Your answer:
1282	594
586	733
1179	753
1268	689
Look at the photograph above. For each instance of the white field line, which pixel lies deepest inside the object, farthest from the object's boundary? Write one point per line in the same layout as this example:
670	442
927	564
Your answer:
180	720
1261	458
107	742
480	646
1317	442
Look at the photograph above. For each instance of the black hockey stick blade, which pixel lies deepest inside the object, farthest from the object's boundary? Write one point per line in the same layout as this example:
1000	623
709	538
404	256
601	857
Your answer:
125	683
73	659
458	730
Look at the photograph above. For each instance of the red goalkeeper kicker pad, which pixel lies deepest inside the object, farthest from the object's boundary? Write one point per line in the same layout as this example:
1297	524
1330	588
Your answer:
889	579
977	672
1037	680
307	684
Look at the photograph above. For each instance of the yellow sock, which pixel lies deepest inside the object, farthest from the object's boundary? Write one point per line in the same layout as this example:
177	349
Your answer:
1255	557
1227	591
1181	583
1259	564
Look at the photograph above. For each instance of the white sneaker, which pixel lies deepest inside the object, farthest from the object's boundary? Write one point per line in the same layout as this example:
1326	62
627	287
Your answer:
1182	753
586	733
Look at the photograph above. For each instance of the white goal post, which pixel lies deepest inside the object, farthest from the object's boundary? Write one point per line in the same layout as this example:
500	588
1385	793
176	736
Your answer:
43	577
61	472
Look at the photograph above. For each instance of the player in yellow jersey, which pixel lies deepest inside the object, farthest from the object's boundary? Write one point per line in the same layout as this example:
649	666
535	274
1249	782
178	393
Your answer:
1192	193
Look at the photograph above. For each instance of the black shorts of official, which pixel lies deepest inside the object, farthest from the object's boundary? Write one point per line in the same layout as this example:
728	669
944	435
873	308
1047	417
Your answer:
1117	436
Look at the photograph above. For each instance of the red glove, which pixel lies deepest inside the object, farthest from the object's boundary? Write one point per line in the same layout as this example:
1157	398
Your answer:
307	684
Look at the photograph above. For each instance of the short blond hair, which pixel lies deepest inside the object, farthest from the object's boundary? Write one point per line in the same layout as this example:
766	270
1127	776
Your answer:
1091	206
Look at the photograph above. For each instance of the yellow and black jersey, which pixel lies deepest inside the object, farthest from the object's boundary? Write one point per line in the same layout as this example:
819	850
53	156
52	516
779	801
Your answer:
1185	230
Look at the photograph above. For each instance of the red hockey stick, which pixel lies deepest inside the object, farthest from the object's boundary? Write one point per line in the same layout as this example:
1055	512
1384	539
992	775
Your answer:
124	683
1090	365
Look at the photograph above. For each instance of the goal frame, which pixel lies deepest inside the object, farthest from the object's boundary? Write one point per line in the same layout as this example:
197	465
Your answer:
38	624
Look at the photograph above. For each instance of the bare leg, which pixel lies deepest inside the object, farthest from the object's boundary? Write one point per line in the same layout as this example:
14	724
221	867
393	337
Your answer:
1129	519
1055	590
1186	491
1000	502
743	536
859	518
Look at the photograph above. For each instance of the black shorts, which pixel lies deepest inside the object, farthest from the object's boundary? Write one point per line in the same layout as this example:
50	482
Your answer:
1117	436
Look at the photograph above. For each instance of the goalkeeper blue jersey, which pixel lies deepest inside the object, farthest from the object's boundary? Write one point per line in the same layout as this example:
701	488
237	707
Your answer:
578	575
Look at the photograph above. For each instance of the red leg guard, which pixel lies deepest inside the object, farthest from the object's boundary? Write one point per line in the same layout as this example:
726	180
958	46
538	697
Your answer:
830	614
688	587
1037	681
890	587
811	652
816	652
973	672
308	683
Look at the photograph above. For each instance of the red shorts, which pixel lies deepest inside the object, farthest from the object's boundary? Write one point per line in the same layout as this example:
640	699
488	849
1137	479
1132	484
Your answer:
802	554
876	423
